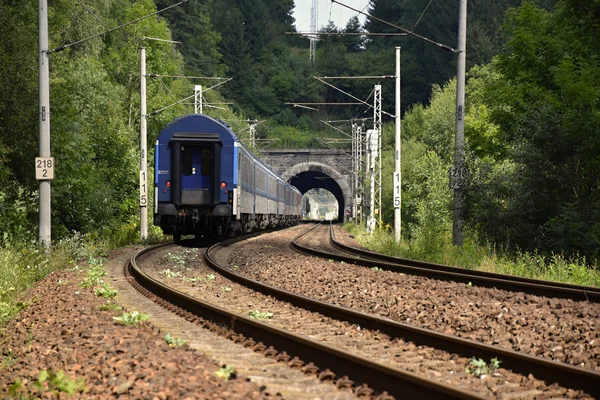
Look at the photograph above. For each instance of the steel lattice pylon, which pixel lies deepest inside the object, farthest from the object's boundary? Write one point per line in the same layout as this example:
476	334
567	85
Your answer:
374	164
359	144
198	101
378	164
313	28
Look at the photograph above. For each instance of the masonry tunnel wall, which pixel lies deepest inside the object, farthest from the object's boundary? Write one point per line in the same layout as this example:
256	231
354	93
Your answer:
312	175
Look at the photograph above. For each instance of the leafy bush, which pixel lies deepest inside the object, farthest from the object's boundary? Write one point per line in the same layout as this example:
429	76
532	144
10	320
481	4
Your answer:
110	307
21	265
174	342
226	372
131	318
106	292
260	315
48	382
576	270
478	367
95	273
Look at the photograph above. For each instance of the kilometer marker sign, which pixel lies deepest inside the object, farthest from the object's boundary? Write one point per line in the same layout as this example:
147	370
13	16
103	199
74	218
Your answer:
44	168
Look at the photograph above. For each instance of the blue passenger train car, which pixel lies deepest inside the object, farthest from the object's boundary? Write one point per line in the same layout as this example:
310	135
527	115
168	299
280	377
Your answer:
208	183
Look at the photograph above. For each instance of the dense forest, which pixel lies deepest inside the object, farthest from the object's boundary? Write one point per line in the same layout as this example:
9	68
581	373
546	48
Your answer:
532	120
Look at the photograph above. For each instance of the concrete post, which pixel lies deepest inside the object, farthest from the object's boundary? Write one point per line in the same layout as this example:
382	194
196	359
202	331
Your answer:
143	150
459	170
45	222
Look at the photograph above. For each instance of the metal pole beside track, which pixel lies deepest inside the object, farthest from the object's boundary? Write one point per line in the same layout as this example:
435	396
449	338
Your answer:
45	227
459	170
398	157
143	149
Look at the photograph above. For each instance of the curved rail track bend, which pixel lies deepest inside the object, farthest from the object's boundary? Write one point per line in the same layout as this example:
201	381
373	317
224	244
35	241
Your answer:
381	378
378	377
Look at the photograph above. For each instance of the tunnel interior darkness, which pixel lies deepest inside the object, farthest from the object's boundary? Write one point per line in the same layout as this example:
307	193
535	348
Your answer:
308	180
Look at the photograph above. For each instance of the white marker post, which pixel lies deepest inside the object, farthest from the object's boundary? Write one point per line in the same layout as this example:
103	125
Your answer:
397	159
143	150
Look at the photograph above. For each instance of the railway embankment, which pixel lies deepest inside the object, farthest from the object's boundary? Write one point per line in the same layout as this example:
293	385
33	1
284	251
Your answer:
65	340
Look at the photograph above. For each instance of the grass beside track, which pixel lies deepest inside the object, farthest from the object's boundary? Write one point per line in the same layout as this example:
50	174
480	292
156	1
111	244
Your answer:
24	264
556	267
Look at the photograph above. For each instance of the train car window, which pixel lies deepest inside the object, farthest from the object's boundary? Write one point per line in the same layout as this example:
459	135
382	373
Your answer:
272	186
186	162
246	168
205	162
261	180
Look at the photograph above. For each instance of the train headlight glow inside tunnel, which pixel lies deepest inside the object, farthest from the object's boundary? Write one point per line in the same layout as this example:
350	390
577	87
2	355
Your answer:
223	185
168	184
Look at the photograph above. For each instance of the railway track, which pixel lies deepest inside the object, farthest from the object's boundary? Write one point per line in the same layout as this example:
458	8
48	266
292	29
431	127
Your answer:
283	345
377	376
444	272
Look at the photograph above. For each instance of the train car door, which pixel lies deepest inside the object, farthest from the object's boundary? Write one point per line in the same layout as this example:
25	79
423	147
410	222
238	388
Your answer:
196	176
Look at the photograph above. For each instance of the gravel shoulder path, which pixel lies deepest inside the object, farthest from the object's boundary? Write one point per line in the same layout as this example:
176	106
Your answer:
63	331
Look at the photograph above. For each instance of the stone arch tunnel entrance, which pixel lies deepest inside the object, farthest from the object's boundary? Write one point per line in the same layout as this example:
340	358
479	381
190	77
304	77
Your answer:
313	175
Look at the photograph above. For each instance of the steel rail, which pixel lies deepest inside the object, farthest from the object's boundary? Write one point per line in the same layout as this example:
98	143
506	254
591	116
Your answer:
547	370
378	376
479	278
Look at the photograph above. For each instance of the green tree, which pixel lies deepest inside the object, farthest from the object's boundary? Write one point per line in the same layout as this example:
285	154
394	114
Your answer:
94	104
354	43
546	105
191	25
437	21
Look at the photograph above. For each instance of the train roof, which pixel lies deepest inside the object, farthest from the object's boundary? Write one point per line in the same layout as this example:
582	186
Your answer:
199	125
191	126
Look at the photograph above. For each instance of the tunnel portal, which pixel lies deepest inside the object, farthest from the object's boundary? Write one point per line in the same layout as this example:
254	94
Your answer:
311	175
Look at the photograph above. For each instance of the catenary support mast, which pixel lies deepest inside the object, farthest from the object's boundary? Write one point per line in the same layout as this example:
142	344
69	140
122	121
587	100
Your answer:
378	161
397	159
313	28
143	149
45	233
198	100
459	173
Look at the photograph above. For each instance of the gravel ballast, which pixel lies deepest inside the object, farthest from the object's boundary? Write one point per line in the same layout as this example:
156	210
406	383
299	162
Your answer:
557	329
185	269
63	331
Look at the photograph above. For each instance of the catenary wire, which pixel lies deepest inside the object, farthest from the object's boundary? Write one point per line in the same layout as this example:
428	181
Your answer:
93	15
66	46
441	45
423	13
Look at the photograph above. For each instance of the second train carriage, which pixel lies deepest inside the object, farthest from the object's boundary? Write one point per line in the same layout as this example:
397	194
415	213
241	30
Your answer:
207	183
